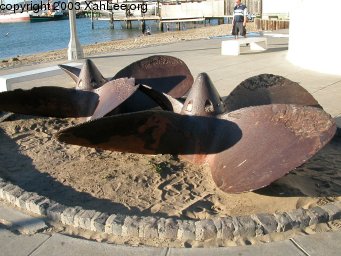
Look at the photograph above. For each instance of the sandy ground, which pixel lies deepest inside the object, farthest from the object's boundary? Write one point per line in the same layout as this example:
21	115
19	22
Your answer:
162	185
138	42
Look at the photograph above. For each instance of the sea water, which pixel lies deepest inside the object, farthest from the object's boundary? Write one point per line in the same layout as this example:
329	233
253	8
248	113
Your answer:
17	39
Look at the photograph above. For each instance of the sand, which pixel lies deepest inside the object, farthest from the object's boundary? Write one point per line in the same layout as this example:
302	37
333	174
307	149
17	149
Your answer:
126	44
162	185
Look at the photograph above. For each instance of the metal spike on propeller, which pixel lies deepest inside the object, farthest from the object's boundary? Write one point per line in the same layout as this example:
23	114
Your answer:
246	149
86	78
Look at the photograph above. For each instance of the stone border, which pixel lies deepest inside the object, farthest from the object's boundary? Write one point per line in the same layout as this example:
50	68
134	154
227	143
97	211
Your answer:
226	228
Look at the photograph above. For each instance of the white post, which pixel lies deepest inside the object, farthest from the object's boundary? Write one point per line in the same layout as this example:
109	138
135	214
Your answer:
75	50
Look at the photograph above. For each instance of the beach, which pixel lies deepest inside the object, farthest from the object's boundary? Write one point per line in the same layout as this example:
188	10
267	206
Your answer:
126	44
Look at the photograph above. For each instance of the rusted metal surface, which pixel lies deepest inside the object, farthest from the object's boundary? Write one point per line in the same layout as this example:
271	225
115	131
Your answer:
112	94
165	101
49	101
203	99
155	132
162	73
267	89
276	139
246	149
86	78
61	102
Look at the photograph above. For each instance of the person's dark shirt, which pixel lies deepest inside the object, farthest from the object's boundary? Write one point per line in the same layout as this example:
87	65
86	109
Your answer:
239	12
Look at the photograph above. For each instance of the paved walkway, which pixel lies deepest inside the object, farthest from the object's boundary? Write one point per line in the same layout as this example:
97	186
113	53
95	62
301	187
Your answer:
226	72
13	243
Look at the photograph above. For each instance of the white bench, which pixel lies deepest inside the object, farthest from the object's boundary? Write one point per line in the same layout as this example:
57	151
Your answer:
6	81
232	47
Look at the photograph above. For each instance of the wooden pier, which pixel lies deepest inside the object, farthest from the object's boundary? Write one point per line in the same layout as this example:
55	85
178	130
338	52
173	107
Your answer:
169	13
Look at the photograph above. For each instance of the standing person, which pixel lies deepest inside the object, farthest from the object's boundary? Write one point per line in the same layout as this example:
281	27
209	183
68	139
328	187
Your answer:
239	19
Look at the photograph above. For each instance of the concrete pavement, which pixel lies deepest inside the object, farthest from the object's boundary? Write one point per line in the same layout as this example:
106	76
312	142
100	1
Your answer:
38	242
225	71
13	243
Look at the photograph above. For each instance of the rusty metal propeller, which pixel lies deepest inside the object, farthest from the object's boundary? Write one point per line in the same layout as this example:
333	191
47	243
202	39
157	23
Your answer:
96	96
65	102
246	149
267	89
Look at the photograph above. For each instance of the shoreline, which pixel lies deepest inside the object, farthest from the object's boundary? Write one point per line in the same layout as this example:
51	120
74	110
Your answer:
125	44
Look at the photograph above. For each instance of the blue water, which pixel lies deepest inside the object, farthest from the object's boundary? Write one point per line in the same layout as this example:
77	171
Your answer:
28	38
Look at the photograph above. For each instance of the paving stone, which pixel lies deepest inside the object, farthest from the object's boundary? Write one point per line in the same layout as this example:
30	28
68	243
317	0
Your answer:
31	203
85	219
244	226
130	227
322	215
284	222
186	231
167	228
8	187
2	185
21	200
219	227
68	215
333	211
227	228
76	219
204	230
41	207
55	210
98	222
12	195
300	218
148	228
267	221
114	224
314	217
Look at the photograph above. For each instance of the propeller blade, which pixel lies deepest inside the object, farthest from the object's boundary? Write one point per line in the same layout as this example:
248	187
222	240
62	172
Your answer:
165	101
154	132
73	72
49	101
276	139
268	89
113	94
163	73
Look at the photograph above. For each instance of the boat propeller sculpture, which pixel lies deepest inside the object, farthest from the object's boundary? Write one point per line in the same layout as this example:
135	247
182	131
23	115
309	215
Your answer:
95	96
265	128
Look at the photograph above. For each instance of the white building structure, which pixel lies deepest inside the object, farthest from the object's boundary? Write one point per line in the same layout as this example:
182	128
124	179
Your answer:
314	37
